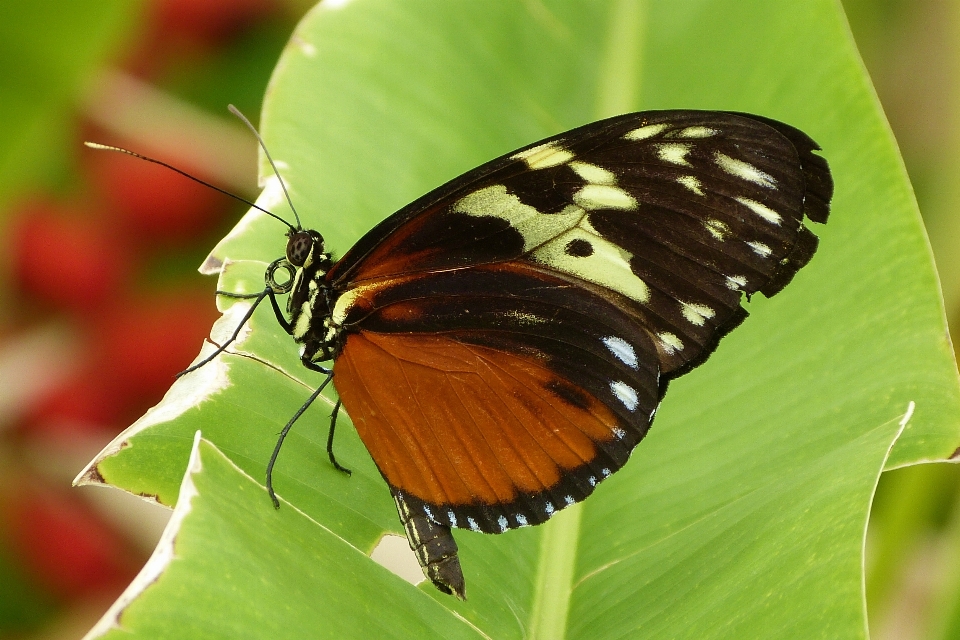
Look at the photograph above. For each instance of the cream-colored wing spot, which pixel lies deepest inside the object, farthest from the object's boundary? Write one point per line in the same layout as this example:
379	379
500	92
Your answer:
694	132
607	264
696	314
535	227
761	210
736	283
623	351
674	153
670	343
626	394
691	183
544	156
717	229
744	170
592	173
602	196
760	249
642	133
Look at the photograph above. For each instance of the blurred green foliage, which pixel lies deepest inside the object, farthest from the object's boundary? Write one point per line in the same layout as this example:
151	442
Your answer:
49	53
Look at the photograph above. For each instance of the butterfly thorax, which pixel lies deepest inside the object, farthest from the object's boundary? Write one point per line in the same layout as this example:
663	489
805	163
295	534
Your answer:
310	302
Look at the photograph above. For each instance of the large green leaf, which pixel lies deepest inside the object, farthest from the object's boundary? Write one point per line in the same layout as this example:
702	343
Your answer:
220	528
743	513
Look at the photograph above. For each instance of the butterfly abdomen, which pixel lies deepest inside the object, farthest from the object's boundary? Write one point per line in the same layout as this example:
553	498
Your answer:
435	548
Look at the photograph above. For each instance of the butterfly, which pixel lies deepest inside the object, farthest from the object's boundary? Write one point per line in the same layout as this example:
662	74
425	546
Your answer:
503	343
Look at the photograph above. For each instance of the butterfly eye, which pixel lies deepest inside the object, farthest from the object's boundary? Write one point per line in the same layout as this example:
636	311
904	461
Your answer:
299	247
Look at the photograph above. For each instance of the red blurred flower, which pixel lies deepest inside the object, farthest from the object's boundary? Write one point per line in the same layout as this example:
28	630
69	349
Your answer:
66	258
135	348
64	544
153	204
208	21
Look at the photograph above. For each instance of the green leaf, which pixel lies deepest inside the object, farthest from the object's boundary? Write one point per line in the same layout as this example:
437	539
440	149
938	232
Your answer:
743	512
223	542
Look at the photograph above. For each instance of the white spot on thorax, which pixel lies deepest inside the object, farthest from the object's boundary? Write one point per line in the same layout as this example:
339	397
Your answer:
691	183
593	174
761	210
544	156
671	344
623	350
302	326
645	132
601	196
674	153
760	249
744	170
696	313
625	394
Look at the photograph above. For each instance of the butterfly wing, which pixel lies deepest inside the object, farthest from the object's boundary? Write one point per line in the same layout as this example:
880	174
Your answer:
523	320
677	212
502	393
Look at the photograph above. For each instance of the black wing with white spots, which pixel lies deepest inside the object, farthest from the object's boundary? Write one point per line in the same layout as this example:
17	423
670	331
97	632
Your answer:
674	214
548	296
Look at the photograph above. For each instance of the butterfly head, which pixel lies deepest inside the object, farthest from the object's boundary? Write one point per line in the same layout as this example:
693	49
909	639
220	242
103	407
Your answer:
305	248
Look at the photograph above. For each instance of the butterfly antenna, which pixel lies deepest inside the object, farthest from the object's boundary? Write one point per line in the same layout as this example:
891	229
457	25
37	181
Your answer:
263	146
107	147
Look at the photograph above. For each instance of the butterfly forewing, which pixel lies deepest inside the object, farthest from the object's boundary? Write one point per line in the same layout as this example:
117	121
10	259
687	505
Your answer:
522	321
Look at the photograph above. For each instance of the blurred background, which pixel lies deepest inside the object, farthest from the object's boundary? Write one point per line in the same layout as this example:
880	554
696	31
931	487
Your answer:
102	303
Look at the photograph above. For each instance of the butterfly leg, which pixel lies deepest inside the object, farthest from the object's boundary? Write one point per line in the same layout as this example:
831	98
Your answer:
333	426
221	348
306	358
435	548
286	430
266	293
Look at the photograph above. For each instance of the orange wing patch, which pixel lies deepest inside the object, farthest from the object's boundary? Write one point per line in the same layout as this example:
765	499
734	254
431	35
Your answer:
458	424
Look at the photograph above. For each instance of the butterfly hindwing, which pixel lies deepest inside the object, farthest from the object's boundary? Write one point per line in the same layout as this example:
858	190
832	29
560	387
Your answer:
502	393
